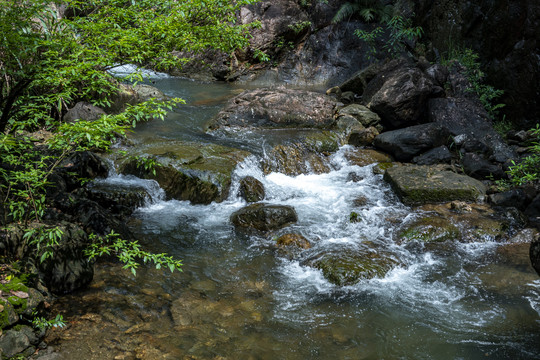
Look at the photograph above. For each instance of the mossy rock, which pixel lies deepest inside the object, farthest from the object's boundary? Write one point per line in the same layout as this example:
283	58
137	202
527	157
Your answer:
295	240
200	173
348	267
364	157
428	229
324	142
417	185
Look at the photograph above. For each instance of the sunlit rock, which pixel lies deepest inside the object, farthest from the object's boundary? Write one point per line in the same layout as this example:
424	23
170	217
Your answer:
264	217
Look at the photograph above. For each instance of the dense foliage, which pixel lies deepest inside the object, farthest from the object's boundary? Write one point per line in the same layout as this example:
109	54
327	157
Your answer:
55	53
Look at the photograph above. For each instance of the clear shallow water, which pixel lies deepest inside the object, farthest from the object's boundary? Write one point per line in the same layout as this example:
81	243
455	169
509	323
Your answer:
239	297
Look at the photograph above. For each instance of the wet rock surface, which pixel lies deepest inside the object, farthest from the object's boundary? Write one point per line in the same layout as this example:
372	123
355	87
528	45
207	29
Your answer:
251	189
276	108
405	144
416	184
200	173
264	217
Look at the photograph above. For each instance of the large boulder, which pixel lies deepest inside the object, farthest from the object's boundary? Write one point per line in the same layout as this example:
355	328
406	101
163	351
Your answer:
276	108
533	212
467	118
200	173
405	144
416	184
64	269
83	111
399	94
264	217
534	253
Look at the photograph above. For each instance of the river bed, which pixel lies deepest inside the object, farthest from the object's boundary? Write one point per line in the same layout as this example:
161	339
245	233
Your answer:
240	297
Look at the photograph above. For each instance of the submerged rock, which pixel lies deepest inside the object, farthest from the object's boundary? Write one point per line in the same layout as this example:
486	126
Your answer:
276	108
428	229
200	173
345	267
295	240
264	217
416	184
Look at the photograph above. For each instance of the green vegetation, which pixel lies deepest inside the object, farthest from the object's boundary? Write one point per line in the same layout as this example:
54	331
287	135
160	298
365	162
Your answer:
487	94
300	26
528	170
49	62
398	29
369	10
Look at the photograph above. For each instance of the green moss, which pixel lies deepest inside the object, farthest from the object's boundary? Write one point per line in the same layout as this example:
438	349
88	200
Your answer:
429	229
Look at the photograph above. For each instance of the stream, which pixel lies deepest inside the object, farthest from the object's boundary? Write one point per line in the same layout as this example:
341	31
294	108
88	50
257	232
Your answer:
240	297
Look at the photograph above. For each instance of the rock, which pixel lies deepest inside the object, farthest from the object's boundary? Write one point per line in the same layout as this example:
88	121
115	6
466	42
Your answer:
13	342
358	82
146	92
478	167
77	166
475	222
365	116
399	94
534	254
264	217
438	155
348	123
118	198
295	240
83	111
251	189
465	117
276	108
405	144
533	212
363	137
438	74
416	184
69	268
308	155
347	97
426	229
200	173
344	267
363	157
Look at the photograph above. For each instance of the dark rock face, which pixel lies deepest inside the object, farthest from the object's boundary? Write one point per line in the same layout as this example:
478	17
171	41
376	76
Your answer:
279	108
534	254
505	33
83	111
264	217
399	94
465	117
533	212
478	167
515	197
80	165
251	189
404	144
67	269
122	200
438	155
427	184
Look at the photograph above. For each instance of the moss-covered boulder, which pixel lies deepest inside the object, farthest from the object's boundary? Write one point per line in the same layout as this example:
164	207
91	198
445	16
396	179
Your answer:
17	301
264	217
427	229
345	267
200	173
416	184
307	155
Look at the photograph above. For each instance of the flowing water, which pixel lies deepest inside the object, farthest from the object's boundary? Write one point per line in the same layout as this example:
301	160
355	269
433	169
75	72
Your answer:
239	297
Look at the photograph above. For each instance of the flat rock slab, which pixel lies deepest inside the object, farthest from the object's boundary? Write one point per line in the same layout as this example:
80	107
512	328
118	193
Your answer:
276	108
417	185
